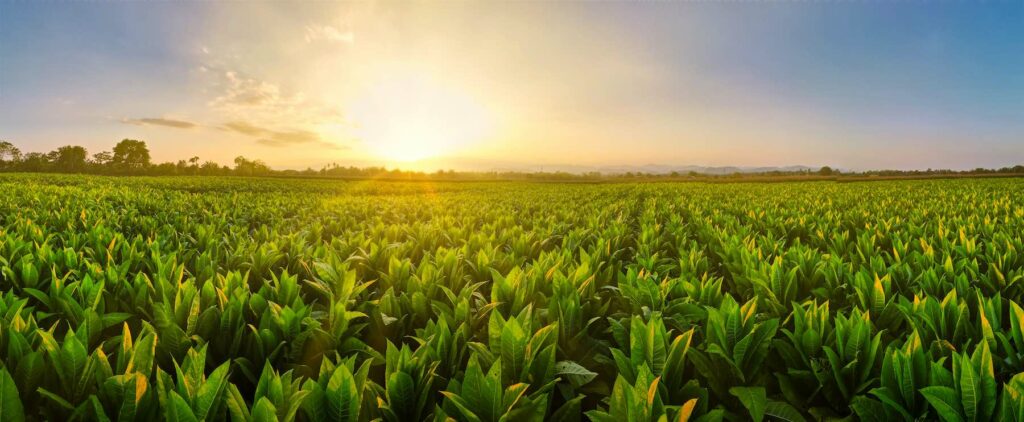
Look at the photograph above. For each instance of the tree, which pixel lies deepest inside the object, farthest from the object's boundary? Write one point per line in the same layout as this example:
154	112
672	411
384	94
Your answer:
9	154
246	167
130	155
211	168
35	161
825	171
70	158
102	158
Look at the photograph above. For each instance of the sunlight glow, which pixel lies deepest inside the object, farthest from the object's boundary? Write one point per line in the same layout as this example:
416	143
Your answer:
411	117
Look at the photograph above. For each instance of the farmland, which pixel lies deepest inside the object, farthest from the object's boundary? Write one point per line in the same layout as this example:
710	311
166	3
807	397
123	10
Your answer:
270	299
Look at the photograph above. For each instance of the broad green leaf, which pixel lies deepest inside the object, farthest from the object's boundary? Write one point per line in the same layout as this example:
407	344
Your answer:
10	403
970	396
211	391
178	409
945	402
868	410
142	356
754	399
264	411
783	411
462	406
574	372
569	411
401	393
343	396
513	351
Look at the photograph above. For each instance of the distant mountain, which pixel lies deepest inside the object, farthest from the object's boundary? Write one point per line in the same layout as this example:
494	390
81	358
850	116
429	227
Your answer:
653	169
665	169
468	164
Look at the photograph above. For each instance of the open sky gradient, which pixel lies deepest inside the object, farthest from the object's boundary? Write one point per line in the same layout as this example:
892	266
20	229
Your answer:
859	85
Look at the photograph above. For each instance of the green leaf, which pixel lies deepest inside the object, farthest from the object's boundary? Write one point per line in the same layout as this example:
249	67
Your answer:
783	411
73	357
461	406
264	411
401	393
56	399
142	355
674	362
623	365
178	409
569	411
638	342
878	297
134	389
98	413
343	396
10	403
892	401
512	395
574	372
753	398
513	351
621	400
945	402
970	396
476	392
656	341
210	391
868	410
982	361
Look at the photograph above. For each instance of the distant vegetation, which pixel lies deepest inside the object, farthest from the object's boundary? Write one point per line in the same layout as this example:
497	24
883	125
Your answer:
131	157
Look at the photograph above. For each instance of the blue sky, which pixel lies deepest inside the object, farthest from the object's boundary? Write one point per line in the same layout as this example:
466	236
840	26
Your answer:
855	85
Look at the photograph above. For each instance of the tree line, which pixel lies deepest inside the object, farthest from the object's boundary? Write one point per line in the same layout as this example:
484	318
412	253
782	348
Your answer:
131	157
128	157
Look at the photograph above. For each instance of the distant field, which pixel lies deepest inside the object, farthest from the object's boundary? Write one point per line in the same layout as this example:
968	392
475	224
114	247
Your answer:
282	299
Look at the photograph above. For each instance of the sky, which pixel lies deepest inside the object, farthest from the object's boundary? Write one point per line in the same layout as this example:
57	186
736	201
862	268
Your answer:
483	85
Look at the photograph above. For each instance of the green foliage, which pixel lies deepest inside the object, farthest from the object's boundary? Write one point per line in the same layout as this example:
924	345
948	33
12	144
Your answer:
10	404
138	299
969	394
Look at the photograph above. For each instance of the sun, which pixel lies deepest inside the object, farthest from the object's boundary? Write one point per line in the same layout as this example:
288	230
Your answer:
413	117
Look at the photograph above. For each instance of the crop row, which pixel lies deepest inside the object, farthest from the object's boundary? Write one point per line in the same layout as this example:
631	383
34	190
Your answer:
247	299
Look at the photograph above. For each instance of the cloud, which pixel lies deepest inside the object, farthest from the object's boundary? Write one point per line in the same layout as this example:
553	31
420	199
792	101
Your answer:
240	90
245	128
157	121
278	138
240	96
281	139
262	110
328	33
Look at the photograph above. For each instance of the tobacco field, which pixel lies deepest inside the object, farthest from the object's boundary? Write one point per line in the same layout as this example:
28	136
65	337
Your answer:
227	298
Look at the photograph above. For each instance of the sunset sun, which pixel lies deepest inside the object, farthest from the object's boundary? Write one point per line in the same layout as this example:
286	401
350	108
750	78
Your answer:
411	117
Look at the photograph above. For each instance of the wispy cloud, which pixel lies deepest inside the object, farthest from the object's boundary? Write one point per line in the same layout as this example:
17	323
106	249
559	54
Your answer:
245	128
240	90
278	138
263	110
328	33
158	121
241	96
